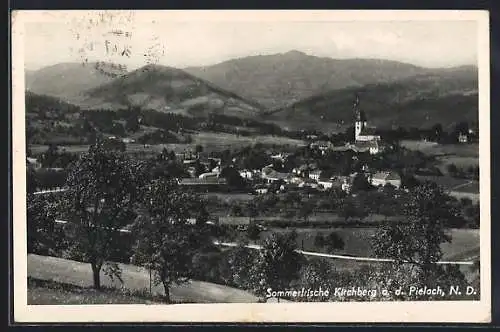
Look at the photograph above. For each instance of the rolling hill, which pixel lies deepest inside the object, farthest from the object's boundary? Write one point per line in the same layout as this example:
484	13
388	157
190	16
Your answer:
392	93
170	90
282	79
444	96
68	80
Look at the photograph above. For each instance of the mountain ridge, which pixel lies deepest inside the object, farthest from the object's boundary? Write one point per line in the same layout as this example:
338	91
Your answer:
59	80
281	79
419	100
165	88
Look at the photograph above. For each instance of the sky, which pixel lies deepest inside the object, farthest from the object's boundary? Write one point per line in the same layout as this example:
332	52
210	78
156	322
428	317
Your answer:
183	43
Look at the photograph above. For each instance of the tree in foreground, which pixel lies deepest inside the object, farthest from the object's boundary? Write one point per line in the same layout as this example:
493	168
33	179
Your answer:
167	238
278	263
44	237
418	239
100	201
415	244
316	275
240	260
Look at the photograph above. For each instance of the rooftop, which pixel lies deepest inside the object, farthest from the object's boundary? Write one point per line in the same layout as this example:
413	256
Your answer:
390	175
232	220
368	131
276	175
364	145
361	116
204	181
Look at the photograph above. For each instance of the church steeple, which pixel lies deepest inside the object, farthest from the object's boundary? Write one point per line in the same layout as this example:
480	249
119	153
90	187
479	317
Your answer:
359	119
359	114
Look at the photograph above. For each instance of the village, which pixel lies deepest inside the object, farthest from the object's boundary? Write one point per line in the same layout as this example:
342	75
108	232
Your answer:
224	178
314	171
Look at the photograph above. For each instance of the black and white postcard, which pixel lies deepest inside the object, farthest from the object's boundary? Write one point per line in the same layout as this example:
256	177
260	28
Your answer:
251	166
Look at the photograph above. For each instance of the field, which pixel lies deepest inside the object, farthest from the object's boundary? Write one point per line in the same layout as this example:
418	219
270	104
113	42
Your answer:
453	184
131	148
357	241
230	197
462	162
136	279
462	155
49	292
221	141
209	141
435	149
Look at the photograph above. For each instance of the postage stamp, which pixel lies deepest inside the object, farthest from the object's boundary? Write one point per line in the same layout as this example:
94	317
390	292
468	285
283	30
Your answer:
251	166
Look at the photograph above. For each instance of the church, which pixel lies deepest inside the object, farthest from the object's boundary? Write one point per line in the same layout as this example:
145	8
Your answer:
365	138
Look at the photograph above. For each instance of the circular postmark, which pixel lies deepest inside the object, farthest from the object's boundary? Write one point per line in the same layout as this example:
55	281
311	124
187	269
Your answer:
110	40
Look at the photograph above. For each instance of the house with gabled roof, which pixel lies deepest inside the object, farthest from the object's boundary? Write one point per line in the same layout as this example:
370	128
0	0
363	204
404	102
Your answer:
383	178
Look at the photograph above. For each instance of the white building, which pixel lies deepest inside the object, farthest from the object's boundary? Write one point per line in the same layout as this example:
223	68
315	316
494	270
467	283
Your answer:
463	138
209	175
315	175
33	162
363	133
280	156
383	178
346	186
261	190
128	140
246	174
326	184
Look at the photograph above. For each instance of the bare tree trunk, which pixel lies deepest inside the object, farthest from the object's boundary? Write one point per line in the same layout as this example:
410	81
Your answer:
166	287
96	273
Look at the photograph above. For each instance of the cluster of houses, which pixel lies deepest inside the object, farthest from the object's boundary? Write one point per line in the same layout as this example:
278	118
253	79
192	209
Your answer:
309	177
306	177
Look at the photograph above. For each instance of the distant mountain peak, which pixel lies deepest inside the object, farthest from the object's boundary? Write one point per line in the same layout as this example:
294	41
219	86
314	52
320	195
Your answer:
295	53
280	79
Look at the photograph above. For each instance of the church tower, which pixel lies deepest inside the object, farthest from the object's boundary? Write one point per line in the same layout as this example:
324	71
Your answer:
359	119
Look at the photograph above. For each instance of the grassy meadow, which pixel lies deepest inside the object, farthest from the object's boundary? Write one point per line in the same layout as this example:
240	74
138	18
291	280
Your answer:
435	149
49	292
358	241
211	142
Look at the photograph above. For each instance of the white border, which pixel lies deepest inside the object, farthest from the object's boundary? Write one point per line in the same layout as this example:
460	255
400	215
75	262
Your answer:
477	311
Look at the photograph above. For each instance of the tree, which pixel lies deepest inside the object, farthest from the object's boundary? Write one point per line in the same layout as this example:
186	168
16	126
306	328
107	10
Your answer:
305	210
349	209
100	200
198	149
166	241
132	121
452	169
317	275
277	264
334	241
472	213
50	156
360	183
418	240
233	177
319	240
114	144
252	209
292	199
461	128
32	182
44	238
240	260
236	210
437	131
408	181
330	242
253	232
